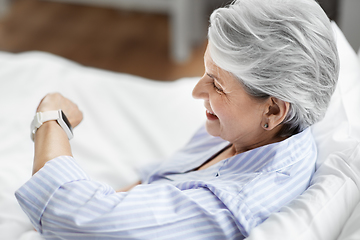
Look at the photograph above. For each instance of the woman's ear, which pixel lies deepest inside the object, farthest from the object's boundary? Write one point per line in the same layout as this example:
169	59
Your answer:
275	113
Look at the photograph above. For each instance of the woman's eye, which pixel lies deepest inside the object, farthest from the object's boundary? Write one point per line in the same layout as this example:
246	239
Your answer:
217	88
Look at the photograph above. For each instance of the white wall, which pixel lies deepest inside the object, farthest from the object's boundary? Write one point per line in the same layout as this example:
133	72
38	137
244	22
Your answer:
349	21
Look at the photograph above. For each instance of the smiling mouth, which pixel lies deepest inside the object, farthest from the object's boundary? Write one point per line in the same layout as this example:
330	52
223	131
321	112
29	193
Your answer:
211	116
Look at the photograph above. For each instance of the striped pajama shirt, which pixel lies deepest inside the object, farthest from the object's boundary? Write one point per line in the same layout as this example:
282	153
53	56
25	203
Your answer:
224	201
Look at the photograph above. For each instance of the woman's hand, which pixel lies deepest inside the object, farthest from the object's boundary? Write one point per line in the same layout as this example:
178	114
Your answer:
55	101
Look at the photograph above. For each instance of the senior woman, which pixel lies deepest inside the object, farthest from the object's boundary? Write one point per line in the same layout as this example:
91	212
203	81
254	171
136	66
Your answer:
271	67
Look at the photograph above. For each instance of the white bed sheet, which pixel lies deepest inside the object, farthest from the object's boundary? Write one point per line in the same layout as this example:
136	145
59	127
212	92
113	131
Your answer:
130	121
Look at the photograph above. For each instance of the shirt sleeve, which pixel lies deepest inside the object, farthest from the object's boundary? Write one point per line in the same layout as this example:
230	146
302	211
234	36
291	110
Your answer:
62	202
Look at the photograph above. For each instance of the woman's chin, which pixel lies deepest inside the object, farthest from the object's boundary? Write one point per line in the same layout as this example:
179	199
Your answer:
213	128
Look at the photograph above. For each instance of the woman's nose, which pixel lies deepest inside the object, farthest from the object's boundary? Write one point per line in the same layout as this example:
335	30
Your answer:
199	91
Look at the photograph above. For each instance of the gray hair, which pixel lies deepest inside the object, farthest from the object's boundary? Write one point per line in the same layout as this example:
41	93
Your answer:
280	48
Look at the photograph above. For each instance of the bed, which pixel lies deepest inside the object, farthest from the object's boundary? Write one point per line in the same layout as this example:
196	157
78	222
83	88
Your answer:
124	113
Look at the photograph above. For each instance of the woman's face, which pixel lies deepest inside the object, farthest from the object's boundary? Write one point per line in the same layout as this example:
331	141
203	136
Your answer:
231	112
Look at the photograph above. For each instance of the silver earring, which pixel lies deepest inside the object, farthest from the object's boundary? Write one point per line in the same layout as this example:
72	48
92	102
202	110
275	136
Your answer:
266	125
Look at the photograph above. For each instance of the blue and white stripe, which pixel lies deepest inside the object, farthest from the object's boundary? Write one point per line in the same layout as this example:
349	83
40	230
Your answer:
224	201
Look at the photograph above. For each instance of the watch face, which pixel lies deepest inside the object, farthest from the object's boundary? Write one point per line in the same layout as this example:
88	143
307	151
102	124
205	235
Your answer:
66	120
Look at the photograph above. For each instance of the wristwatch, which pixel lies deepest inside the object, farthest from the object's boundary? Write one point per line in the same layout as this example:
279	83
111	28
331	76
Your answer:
58	115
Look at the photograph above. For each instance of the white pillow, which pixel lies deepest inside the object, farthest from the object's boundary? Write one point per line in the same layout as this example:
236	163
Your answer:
322	210
351	229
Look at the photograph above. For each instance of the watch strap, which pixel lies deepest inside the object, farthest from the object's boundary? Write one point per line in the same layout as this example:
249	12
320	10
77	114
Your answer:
41	117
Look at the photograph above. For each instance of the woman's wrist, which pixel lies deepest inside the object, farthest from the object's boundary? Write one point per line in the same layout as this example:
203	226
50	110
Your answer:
47	128
50	142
